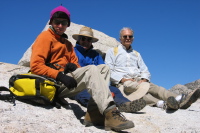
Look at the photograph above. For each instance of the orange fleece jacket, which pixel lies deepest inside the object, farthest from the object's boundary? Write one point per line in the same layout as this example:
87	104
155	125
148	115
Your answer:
48	48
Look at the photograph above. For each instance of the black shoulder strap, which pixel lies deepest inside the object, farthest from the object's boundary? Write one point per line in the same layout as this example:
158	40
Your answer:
7	97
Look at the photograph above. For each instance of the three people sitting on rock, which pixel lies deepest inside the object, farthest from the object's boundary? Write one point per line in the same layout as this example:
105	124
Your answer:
128	72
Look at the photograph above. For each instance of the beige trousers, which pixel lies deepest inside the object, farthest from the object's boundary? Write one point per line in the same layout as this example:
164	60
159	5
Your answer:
157	93
153	95
96	80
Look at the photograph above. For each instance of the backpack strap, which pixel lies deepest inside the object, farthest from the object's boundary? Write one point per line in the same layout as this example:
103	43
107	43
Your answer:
115	51
37	85
7	97
136	53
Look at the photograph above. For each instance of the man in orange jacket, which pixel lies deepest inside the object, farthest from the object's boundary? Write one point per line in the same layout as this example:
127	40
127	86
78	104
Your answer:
52	47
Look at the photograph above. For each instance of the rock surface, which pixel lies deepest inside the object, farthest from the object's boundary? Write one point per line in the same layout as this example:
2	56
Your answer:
30	118
7	70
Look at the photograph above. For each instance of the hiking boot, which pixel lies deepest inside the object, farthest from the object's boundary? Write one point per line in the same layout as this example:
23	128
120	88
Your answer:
114	120
187	100
171	104
131	107
93	118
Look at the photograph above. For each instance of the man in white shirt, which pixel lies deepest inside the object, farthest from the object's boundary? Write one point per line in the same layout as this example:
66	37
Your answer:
130	74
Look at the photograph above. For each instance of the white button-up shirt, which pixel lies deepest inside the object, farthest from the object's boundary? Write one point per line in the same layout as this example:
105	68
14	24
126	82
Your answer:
125	64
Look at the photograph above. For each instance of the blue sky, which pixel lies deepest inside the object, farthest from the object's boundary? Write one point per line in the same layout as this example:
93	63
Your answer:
167	32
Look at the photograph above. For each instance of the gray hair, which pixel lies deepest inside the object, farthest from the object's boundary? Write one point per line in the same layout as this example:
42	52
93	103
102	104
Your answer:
125	28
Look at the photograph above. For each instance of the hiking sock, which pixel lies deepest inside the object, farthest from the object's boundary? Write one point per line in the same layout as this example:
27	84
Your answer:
160	104
178	98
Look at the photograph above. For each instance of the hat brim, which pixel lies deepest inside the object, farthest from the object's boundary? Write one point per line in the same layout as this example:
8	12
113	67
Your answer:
75	36
142	89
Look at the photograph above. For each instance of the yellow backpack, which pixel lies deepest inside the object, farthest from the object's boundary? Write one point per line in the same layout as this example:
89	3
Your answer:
31	86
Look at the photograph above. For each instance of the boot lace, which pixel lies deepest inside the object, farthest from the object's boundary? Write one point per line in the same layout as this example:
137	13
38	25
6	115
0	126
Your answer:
117	115
164	107
183	97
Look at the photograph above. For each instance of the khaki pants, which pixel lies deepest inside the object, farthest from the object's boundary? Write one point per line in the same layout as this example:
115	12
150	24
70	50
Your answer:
96	80
157	93
154	94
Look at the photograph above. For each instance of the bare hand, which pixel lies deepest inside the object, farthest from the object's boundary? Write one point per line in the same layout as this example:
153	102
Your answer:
143	80
124	80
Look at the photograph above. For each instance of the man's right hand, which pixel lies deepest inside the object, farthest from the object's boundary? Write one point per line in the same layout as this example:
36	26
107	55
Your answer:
124	80
68	81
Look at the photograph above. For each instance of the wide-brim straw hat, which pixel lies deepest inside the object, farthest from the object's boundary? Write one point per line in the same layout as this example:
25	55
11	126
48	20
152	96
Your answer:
137	92
85	31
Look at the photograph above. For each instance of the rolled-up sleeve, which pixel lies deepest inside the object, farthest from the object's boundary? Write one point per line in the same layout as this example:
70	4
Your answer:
143	68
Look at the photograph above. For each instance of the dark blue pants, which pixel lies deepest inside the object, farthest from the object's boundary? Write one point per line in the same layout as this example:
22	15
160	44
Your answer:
83	97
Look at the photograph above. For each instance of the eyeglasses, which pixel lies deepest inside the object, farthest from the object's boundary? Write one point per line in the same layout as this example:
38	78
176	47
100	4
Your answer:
127	36
64	22
83	38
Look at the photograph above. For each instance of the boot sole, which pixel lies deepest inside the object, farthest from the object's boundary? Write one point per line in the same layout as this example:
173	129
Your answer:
133	107
172	103
121	127
193	98
88	124
137	105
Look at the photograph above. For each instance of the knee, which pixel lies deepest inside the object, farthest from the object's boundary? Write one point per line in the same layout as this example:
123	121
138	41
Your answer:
92	68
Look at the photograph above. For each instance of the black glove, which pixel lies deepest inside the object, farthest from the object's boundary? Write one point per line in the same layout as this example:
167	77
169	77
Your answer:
70	67
68	81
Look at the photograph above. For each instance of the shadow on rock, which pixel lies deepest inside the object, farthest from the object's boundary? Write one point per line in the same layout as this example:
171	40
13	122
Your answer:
170	111
37	102
78	112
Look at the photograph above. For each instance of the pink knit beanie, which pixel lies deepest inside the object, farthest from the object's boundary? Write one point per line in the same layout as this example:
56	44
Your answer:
61	9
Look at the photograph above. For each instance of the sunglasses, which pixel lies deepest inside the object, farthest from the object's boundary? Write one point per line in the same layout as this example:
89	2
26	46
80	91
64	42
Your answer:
60	21
83	38
126	36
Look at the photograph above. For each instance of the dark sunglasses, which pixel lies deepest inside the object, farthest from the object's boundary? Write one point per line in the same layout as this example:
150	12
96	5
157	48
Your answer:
83	38
125	37
59	21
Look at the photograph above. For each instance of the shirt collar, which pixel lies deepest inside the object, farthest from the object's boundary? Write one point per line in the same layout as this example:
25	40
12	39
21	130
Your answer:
130	49
63	35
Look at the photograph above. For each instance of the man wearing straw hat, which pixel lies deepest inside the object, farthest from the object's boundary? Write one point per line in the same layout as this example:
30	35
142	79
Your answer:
88	56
